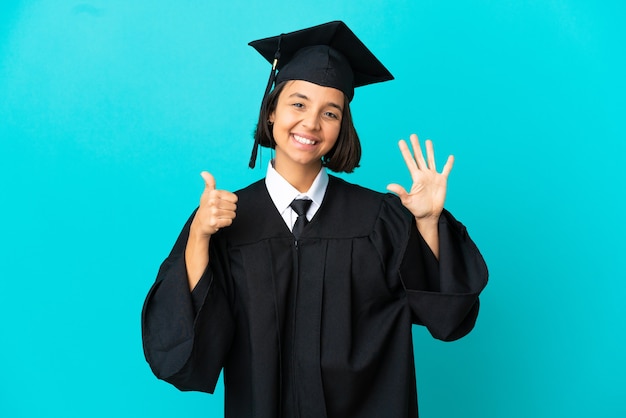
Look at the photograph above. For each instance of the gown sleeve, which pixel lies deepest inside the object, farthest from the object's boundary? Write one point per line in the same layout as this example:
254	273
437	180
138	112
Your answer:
172	316
442	294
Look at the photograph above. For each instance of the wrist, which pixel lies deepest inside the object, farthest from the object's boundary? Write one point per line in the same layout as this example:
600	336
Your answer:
197	240
428	228
427	222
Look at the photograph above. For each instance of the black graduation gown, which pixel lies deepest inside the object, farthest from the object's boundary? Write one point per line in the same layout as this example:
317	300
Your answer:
317	328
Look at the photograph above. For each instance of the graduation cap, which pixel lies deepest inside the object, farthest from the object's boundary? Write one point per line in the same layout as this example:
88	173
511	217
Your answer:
329	55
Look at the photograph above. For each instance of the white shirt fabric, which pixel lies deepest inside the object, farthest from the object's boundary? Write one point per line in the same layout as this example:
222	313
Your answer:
283	193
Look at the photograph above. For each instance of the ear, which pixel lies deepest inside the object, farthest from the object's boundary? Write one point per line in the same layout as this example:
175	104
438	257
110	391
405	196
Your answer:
270	119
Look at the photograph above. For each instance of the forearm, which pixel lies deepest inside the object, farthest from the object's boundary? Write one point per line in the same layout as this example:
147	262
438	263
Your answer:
444	295
184	344
429	230
196	258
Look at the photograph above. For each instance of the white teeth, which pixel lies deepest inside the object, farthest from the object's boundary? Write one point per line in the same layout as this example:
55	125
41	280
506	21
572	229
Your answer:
303	140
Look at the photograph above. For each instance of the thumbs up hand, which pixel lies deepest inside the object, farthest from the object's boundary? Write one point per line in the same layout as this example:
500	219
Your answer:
217	209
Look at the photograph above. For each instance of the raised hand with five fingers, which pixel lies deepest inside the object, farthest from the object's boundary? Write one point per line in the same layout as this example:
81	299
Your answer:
217	210
426	197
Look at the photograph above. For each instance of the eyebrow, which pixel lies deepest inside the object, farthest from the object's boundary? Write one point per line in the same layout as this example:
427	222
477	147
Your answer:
302	96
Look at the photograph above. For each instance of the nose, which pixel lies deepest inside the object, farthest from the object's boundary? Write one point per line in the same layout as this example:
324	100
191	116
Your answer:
311	121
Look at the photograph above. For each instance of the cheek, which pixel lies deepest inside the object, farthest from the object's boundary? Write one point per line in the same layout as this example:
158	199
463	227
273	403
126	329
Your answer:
334	132
283	119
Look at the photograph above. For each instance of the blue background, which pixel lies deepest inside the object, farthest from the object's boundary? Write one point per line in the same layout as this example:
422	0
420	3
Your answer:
110	109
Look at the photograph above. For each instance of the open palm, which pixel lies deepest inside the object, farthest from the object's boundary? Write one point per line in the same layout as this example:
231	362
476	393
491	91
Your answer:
427	195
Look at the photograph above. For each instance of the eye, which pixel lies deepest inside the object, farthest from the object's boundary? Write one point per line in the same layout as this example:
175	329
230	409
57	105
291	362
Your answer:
298	105
331	115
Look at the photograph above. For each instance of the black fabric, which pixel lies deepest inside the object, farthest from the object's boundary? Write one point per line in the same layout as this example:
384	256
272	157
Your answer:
300	206
321	329
328	55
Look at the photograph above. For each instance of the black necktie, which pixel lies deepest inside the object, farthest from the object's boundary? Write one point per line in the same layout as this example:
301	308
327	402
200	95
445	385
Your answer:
300	206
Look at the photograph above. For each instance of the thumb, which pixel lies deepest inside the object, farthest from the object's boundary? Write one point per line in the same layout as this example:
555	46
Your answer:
209	181
397	189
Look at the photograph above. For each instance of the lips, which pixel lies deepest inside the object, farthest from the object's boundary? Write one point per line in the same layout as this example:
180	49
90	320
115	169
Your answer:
304	141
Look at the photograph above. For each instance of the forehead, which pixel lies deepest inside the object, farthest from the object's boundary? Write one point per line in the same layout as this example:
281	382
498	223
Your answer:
312	91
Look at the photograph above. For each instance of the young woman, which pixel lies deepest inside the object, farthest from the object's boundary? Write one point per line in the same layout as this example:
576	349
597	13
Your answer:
302	287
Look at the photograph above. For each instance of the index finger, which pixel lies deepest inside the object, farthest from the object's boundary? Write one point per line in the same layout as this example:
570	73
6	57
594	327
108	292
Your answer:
417	152
227	196
408	158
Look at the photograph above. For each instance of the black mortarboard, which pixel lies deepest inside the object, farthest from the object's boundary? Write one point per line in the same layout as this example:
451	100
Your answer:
329	55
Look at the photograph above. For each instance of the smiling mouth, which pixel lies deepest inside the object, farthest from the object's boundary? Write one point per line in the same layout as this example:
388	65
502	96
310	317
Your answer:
303	140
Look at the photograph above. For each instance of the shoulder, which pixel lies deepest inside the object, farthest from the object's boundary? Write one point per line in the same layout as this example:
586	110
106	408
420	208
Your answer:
252	191
350	210
361	197
253	200
338	188
256	216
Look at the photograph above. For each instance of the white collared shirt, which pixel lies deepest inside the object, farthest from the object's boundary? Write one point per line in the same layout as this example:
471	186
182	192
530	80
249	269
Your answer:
283	193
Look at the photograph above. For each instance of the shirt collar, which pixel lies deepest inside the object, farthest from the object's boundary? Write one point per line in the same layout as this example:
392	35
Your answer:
282	193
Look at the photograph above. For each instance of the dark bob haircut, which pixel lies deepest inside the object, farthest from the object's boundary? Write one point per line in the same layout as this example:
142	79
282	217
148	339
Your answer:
343	157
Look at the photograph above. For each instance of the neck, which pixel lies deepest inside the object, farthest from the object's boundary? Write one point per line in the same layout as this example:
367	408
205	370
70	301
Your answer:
300	177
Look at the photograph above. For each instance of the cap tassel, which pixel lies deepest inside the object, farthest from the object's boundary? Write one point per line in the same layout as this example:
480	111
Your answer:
268	88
